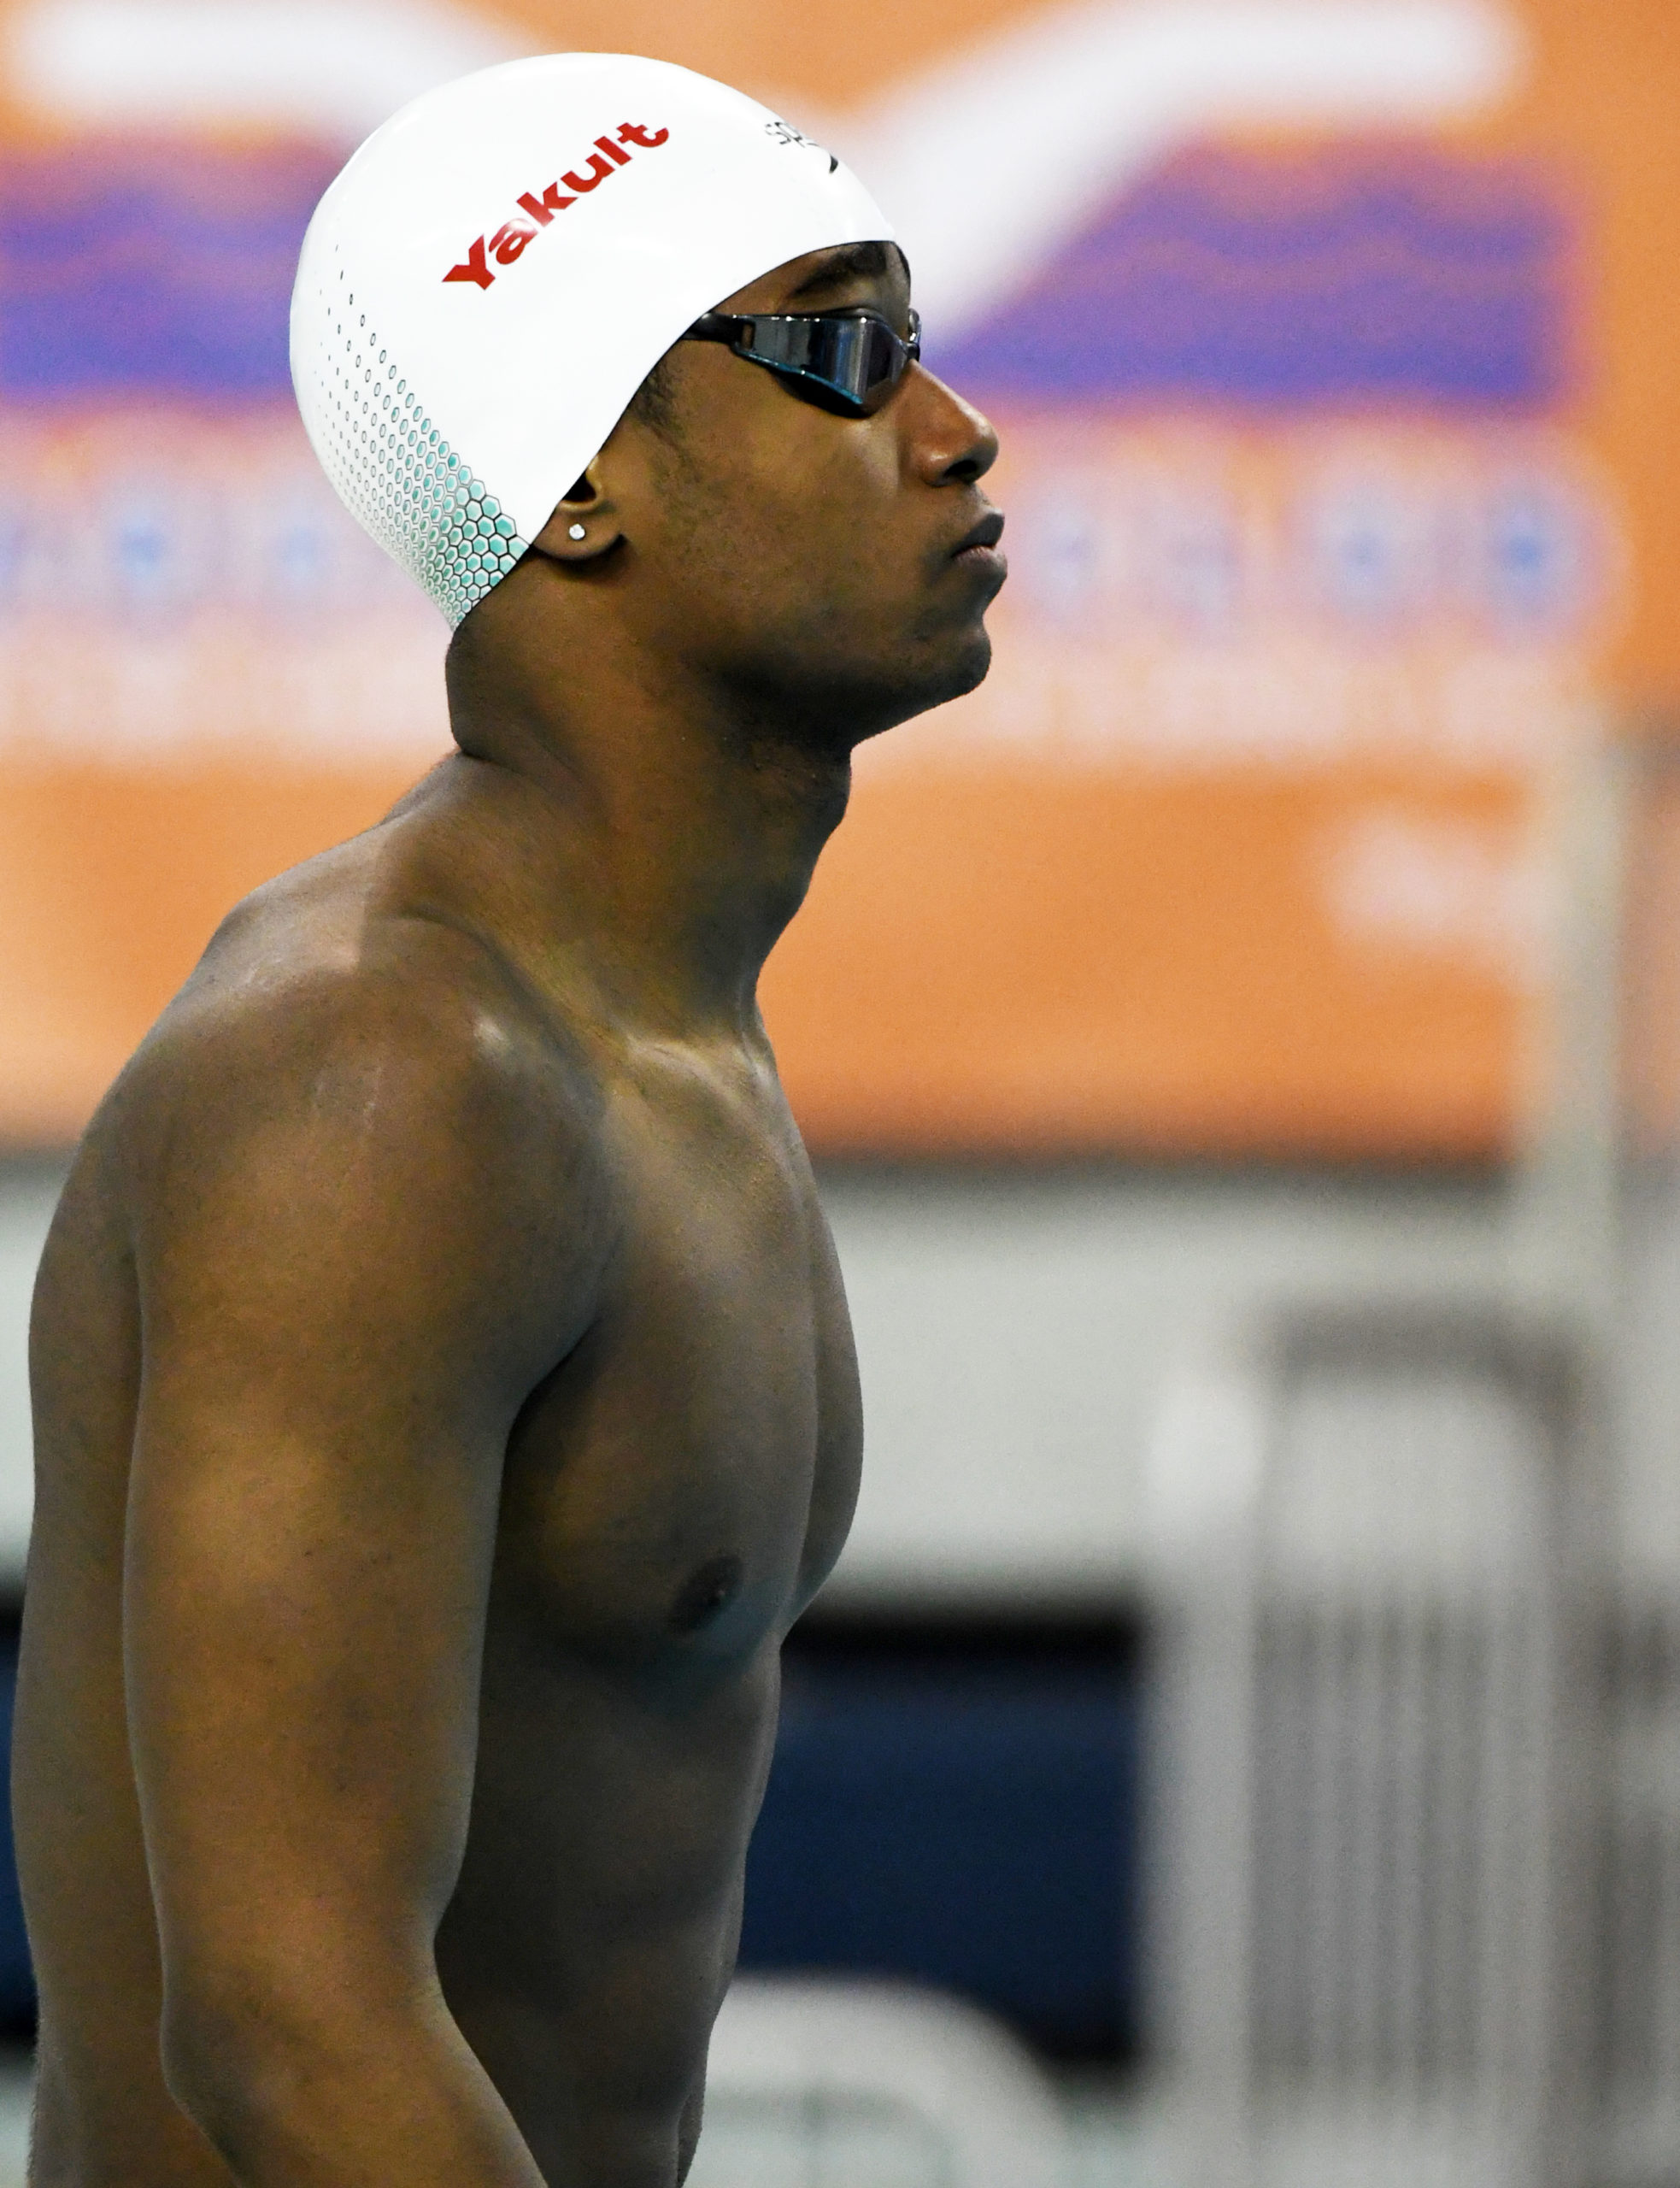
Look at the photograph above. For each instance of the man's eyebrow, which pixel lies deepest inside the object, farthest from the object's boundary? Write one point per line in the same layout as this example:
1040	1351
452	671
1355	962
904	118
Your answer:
858	261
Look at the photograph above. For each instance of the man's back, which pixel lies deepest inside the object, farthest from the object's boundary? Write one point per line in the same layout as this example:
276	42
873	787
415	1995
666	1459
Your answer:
375	1128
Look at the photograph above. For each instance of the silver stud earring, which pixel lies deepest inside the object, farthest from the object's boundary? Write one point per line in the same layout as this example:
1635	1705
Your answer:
577	533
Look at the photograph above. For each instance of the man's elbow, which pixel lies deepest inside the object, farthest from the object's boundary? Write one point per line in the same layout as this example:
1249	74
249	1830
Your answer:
235	2058
262	2068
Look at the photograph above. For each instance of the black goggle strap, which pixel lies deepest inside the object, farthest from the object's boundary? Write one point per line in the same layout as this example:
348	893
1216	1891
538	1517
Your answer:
855	355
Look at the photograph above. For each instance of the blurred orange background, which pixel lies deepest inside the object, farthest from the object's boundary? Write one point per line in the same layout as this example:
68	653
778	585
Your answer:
1258	886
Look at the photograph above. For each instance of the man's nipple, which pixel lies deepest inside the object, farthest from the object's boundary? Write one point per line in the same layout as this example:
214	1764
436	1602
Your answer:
707	1594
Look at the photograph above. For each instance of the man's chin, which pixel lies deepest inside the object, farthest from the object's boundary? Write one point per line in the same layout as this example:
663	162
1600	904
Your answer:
865	705
977	666
954	679
967	669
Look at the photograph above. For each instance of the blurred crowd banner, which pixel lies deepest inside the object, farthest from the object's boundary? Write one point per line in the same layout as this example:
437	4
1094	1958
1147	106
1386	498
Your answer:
1335	348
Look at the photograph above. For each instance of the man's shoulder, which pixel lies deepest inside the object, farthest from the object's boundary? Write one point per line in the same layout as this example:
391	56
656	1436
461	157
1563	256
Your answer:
316	1021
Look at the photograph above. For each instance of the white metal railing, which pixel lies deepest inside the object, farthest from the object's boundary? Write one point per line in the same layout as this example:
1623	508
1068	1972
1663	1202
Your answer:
1638	1901
839	2082
1374	1815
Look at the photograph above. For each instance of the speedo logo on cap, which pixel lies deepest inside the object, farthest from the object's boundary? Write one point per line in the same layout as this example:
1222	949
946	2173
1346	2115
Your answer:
508	244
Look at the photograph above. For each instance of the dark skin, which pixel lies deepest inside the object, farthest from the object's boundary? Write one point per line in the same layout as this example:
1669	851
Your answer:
444	1393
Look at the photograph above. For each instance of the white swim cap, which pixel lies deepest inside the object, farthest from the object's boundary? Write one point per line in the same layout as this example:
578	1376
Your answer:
490	280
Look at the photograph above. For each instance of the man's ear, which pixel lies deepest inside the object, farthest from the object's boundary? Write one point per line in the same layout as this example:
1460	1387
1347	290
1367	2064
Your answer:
584	527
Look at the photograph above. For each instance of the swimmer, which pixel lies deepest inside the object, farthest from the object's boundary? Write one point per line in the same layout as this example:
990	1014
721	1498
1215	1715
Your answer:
444	1393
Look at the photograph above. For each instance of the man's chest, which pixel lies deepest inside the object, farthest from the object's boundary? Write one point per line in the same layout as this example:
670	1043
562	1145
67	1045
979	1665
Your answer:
686	1479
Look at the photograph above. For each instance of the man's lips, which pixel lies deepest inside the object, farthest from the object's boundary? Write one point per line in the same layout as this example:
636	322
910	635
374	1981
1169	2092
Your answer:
978	548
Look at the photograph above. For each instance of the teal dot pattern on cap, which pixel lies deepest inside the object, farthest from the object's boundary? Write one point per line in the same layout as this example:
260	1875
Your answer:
419	497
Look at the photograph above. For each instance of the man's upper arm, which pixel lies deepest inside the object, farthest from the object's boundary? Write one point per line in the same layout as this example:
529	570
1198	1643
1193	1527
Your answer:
369	1228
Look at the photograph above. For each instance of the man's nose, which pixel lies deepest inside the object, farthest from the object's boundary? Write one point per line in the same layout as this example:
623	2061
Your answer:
955	443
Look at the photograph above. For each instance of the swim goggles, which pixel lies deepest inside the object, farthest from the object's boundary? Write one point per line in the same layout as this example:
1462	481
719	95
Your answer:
849	362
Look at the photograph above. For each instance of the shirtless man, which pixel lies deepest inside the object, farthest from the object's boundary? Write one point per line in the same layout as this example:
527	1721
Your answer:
444	1391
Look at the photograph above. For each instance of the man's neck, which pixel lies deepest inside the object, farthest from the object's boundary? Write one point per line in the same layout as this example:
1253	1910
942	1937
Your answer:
663	838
